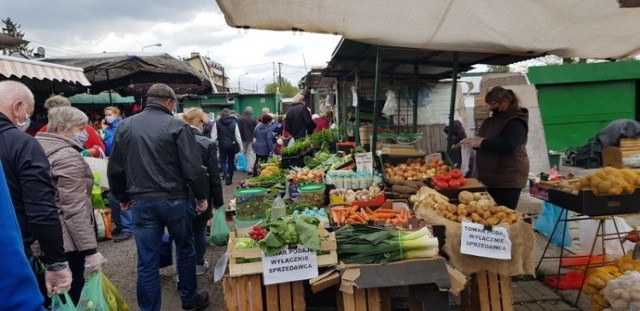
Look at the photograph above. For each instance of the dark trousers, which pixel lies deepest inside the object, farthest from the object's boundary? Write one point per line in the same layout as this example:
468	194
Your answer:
259	159
505	196
76	264
227	162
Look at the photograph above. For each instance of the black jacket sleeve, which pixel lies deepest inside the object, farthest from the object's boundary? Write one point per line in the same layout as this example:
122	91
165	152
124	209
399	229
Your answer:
513	135
191	163
215	185
116	173
308	121
39	204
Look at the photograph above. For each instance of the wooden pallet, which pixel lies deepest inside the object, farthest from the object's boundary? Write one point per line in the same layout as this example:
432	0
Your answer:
488	291
246	293
237	268
370	299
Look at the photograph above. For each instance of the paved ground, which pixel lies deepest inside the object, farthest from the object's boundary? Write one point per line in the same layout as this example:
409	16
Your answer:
528	295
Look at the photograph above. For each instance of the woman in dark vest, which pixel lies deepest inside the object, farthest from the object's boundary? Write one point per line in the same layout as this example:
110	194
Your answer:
501	155
227	134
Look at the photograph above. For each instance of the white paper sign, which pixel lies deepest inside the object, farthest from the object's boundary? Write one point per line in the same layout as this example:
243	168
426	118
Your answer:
436	155
364	162
288	265
477	241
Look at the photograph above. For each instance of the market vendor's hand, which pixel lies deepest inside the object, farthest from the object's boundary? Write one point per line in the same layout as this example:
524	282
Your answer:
472	142
201	206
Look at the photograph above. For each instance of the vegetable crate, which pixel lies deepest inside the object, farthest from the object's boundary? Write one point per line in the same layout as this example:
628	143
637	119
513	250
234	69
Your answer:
238	257
246	293
369	299
488	291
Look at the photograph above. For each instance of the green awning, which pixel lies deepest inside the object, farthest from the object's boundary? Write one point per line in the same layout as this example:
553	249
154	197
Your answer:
101	99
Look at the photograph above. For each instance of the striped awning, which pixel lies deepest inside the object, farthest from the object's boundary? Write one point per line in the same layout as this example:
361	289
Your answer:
32	69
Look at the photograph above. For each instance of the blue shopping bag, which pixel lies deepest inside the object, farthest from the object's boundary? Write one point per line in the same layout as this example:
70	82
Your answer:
241	162
547	220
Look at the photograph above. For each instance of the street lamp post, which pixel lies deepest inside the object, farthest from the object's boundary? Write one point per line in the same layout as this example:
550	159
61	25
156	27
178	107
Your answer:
239	87
257	84
148	46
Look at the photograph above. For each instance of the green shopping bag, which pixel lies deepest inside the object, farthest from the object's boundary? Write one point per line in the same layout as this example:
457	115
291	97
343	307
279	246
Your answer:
58	305
96	192
98	294
92	297
219	228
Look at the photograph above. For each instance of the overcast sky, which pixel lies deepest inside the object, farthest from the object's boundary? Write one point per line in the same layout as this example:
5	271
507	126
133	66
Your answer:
72	27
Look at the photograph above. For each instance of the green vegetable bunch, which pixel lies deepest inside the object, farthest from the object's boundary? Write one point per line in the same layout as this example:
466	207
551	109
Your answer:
297	148
290	230
270	180
325	136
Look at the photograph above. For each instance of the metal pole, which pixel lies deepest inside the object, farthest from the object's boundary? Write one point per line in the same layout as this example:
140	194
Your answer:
343	109
356	131
452	107
109	84
415	99
376	90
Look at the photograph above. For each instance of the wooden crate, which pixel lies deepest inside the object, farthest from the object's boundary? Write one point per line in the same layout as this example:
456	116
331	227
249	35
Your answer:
370	299
488	291
237	268
246	293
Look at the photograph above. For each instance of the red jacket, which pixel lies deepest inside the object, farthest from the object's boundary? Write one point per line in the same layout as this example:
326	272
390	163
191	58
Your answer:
322	123
93	140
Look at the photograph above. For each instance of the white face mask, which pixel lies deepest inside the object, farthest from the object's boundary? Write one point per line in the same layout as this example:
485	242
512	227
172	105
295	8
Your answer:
109	119
24	125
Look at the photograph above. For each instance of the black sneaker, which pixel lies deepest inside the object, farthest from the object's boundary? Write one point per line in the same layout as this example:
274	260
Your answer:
200	302
122	236
227	180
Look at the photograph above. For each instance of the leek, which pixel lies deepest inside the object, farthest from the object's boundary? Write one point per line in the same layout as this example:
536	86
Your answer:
373	244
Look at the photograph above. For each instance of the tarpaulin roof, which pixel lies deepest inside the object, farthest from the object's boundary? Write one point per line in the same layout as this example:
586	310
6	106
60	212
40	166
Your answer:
133	74
568	28
101	99
33	69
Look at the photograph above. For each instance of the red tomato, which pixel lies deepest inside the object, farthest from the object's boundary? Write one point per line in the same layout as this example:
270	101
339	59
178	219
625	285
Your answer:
445	176
441	184
435	178
462	181
454	183
456	173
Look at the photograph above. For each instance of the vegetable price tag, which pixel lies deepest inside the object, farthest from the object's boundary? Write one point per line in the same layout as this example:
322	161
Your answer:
436	156
477	241
289	264
364	162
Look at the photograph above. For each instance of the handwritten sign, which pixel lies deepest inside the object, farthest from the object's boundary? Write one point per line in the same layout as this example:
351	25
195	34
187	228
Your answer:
364	162
477	241
290	264
436	156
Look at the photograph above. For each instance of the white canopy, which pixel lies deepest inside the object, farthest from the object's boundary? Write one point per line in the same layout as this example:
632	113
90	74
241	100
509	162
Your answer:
567	28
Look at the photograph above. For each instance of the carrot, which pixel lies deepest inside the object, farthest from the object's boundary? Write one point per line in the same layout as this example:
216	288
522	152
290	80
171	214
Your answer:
364	215
373	217
353	208
385	215
368	210
343	218
357	218
387	211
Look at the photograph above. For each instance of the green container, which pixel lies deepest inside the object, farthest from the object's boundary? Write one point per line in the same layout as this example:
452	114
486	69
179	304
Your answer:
554	159
251	202
244	225
312	194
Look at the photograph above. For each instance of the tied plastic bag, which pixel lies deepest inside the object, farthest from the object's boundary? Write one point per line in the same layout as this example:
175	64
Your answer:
103	223
589	231
96	192
547	221
219	229
391	104
241	162
98	294
58	305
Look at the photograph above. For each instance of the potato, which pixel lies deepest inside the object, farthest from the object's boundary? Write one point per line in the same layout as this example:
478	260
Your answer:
475	217
461	211
477	196
460	218
484	203
452	208
501	215
506	221
470	208
486	215
465	197
513	217
492	221
493	209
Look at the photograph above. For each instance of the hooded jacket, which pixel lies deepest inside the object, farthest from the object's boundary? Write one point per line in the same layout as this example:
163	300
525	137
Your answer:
264	139
110	134
247	125
155	157
73	181
27	172
226	129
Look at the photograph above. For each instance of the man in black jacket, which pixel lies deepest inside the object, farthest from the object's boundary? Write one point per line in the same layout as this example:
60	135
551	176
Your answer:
27	172
298	119
155	162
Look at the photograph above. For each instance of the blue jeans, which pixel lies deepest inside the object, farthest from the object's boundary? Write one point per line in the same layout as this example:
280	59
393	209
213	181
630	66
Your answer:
227	162
149	220
199	239
121	219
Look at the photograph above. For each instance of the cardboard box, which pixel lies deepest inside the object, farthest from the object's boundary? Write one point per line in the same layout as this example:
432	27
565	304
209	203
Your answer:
612	156
490	81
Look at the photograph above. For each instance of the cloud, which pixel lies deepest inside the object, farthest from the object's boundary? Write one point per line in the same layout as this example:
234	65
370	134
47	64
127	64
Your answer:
72	27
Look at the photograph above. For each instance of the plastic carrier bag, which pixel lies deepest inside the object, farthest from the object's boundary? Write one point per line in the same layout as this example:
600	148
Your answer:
98	294
241	162
547	221
58	305
219	228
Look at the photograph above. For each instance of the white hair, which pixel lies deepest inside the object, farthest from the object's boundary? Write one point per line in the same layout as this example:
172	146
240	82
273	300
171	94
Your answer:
69	117
13	91
299	98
